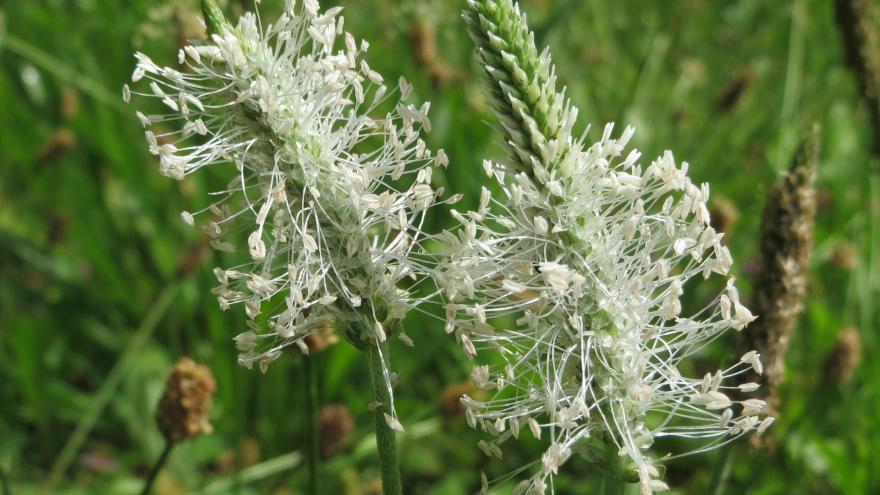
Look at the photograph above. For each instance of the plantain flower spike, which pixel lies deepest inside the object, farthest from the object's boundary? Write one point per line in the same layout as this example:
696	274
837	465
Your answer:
581	264
183	410
328	178
860	39
786	246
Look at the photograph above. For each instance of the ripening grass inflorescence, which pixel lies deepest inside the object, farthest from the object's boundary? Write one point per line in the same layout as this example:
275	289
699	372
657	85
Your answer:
582	264
328	188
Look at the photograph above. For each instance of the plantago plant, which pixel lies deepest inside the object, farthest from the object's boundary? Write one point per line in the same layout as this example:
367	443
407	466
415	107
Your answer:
327	187
587	254
786	246
182	413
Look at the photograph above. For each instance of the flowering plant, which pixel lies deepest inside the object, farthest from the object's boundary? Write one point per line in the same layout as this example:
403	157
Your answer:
329	189
574	276
582	264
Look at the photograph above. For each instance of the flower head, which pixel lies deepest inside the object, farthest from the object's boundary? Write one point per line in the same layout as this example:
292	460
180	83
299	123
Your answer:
582	264
189	394
328	188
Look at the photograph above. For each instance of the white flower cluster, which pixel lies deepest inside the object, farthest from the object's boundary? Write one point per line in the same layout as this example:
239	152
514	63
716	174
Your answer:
329	193
591	261
575	278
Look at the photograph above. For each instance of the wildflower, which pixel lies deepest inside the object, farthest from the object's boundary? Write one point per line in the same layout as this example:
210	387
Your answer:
582	264
328	189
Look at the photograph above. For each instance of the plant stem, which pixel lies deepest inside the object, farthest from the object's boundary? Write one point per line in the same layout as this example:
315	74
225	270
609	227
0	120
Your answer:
385	440
312	413
154	471
612	482
613	477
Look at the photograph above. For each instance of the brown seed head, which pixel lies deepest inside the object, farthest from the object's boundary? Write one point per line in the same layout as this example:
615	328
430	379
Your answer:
322	336
844	256
861	45
184	406
56	146
786	245
732	92
724	214
423	45
69	102
844	358
450	399
335	423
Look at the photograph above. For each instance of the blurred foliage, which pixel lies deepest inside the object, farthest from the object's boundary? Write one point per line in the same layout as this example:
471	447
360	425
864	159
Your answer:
102	287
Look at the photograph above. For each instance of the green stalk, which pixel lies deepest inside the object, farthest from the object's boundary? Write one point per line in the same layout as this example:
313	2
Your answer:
385	441
312	431
615	475
154	471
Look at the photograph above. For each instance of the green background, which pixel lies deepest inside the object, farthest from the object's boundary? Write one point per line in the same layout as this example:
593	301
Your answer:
102	287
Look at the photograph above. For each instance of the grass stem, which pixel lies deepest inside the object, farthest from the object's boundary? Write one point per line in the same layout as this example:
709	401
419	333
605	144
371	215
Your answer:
613	476
385	439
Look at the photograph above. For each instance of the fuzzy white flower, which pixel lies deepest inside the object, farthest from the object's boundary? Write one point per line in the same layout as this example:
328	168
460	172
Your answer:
328	190
582	265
